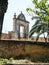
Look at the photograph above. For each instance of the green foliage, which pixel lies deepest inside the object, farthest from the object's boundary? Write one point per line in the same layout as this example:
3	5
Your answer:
28	9
3	61
42	17
11	59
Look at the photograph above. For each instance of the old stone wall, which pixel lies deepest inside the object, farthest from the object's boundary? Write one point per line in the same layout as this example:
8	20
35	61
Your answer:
13	48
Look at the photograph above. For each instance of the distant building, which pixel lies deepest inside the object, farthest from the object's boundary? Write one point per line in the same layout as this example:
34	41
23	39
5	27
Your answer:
20	27
4	36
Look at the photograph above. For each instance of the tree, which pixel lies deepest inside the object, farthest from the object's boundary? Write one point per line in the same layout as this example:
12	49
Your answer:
42	18
3	8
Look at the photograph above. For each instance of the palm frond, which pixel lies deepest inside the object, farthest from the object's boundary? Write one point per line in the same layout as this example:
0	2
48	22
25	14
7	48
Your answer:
39	35
35	27
32	32
43	12
42	26
37	22
35	17
39	28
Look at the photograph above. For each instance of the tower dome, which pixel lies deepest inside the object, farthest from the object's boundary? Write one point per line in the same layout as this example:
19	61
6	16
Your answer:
21	17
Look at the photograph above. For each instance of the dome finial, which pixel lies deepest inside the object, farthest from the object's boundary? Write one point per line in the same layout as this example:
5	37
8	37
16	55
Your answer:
21	16
21	12
14	13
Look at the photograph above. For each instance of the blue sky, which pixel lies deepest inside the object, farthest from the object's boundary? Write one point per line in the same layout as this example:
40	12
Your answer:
16	6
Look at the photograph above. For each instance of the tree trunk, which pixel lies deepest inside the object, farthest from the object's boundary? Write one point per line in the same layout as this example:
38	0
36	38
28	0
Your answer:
45	38
48	37
1	24
3	8
48	32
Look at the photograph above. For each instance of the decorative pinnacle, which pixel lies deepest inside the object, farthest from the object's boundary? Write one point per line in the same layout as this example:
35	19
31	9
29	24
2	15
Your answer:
21	12
14	15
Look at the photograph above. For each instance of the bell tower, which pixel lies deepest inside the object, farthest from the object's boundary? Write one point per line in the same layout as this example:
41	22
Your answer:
14	22
20	27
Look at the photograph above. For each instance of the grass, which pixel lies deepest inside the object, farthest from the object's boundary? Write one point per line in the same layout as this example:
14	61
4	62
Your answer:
5	61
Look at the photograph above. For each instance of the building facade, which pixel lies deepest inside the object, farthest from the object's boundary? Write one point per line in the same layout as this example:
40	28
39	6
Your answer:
20	27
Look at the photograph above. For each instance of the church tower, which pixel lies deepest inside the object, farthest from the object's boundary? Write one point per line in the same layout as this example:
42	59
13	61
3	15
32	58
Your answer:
20	26
14	20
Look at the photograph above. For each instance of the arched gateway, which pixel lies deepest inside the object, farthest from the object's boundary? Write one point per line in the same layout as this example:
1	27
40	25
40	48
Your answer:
20	27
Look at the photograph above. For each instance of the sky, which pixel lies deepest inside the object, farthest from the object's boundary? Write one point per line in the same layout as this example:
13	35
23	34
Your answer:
16	6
